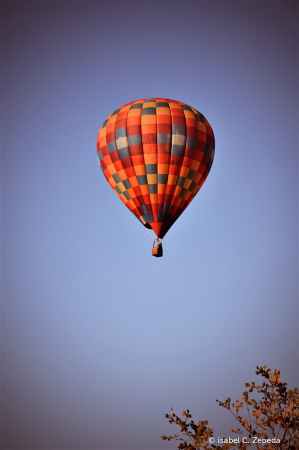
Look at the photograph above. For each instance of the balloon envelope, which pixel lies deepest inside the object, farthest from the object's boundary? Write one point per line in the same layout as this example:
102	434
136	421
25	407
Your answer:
156	154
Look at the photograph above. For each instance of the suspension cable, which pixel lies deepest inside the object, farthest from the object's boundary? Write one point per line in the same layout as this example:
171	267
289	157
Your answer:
150	235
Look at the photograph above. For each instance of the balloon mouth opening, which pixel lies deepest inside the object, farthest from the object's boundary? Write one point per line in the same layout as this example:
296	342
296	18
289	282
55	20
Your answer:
157	227
160	228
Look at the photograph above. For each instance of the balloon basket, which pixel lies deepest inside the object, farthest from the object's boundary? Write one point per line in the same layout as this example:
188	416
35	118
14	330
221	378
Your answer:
158	250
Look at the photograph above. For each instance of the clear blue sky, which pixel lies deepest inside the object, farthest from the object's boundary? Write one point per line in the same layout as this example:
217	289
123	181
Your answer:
100	339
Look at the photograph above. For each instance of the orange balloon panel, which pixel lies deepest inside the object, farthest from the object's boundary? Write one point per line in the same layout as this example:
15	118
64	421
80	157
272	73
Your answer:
156	154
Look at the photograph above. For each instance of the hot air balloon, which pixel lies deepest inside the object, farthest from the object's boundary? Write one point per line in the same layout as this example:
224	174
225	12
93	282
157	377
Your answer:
156	154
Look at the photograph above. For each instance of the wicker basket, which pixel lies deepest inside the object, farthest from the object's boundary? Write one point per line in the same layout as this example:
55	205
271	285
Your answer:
157	251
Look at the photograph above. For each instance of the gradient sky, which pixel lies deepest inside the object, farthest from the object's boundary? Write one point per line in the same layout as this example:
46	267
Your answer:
100	339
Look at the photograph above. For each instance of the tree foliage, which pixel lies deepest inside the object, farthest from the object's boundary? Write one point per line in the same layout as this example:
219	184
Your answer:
270	422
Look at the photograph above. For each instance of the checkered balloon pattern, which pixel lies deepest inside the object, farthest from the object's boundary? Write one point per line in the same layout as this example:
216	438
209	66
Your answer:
156	154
